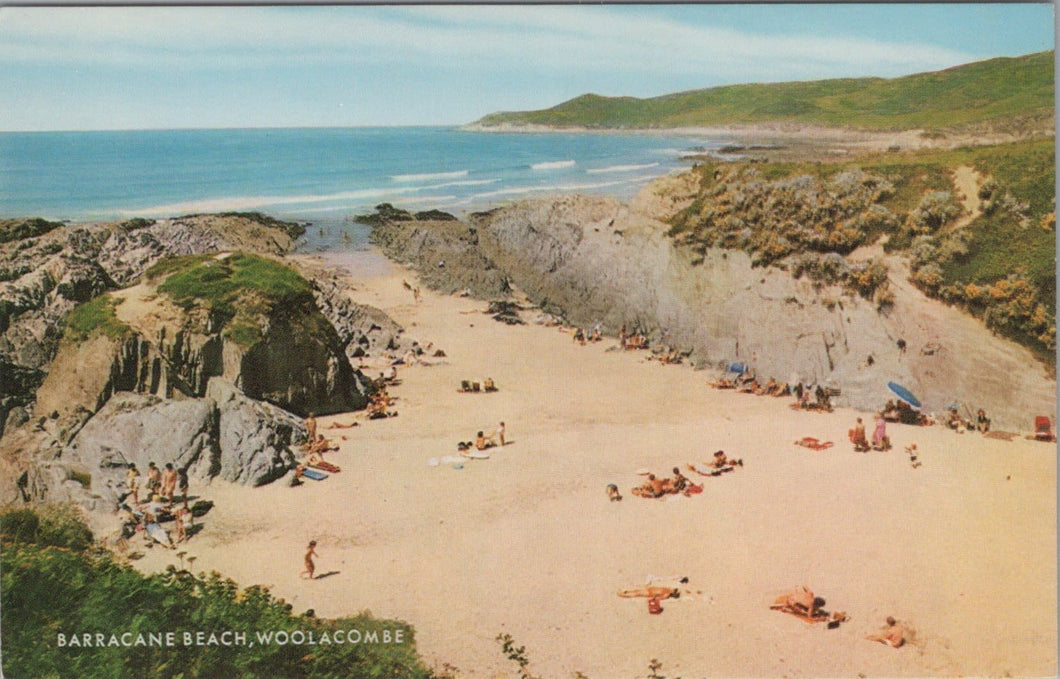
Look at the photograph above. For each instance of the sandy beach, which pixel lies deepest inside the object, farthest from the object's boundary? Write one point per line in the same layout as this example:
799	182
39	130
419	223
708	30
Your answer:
961	550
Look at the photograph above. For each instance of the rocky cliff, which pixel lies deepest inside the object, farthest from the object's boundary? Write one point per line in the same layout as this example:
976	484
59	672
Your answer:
209	361
592	259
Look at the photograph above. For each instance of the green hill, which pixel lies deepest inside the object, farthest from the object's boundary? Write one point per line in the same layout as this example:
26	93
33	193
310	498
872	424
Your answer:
982	92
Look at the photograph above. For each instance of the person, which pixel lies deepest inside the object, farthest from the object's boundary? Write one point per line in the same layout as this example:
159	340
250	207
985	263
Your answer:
880	441
612	493
679	482
183	520
893	636
489	385
622	336
653	487
857	437
721	461
653	592
500	433
182	485
799	601
579	336
310	567
132	482
311	428
482	443
154	478
169	483
982	422
416	293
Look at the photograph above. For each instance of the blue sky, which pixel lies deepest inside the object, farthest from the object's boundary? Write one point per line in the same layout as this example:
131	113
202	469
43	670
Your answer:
162	67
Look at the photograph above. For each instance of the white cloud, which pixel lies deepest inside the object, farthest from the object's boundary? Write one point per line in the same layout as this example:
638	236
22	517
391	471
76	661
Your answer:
502	37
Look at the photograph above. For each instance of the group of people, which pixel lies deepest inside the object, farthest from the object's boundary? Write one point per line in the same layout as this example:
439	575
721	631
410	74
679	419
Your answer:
483	441
880	440
802	603
487	385
583	337
632	340
655	487
163	487
817	398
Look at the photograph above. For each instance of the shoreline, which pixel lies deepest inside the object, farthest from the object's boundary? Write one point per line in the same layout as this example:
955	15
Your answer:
526	543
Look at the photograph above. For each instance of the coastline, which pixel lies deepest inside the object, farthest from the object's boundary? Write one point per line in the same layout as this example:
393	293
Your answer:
526	543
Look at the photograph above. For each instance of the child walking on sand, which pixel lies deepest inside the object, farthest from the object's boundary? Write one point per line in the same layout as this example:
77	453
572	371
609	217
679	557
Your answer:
310	567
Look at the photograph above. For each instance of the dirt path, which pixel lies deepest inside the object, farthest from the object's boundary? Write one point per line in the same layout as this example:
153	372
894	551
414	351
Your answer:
967	182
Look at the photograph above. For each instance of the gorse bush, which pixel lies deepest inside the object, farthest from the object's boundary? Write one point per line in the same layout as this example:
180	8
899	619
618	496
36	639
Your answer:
54	583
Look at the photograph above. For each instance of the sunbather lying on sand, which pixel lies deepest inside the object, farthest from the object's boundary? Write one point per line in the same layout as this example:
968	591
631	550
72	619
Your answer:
721	461
799	601
653	487
650	592
893	635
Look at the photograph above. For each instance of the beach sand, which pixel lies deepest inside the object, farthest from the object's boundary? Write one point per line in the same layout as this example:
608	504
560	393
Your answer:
962	549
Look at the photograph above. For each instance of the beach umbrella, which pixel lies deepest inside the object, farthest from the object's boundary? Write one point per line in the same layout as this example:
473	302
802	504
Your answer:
904	394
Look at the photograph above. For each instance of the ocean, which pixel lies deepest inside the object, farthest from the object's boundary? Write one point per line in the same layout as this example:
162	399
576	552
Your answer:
323	176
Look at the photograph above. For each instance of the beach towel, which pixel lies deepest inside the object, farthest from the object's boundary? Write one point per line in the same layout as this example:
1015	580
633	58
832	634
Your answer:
814	444
475	455
314	474
1000	435
159	534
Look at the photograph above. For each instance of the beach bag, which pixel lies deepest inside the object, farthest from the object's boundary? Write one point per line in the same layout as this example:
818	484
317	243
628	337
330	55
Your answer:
654	607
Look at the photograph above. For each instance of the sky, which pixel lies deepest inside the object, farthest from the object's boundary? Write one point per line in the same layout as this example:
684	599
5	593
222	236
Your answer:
85	68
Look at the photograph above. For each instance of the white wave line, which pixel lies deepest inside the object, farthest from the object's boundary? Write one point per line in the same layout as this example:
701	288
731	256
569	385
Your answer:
553	165
429	175
621	168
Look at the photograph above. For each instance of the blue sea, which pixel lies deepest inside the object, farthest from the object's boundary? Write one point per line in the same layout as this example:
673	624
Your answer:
323	176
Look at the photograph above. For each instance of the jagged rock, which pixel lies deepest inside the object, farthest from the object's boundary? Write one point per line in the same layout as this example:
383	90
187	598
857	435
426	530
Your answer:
255	438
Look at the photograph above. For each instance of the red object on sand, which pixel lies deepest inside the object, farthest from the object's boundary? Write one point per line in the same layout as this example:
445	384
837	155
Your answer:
654	607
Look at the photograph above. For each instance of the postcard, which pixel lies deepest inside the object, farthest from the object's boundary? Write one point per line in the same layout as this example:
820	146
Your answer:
599	341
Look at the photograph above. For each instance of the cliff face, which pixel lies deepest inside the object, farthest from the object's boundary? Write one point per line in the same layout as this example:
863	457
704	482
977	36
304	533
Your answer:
44	277
592	259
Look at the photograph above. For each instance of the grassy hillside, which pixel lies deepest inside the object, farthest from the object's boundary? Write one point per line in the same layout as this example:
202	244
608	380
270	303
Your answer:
805	217
56	585
983	92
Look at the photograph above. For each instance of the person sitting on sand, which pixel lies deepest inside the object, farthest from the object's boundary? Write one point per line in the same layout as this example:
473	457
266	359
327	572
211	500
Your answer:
488	385
982	422
679	482
310	567
483	442
612	493
721	461
857	437
893	635
579	336
955	421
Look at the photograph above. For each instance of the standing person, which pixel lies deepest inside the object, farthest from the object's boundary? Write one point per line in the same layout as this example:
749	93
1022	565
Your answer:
500	433
182	485
311	428
169	483
858	438
879	436
132	482
154	478
310	567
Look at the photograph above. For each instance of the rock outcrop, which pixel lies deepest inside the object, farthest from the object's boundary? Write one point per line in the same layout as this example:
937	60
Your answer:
45	274
594	260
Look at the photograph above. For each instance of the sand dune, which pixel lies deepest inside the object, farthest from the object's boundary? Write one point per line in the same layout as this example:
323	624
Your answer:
961	549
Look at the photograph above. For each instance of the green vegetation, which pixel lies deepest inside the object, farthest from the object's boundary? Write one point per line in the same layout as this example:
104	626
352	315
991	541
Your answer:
806	216
1013	92
54	583
20	229
95	317
239	290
